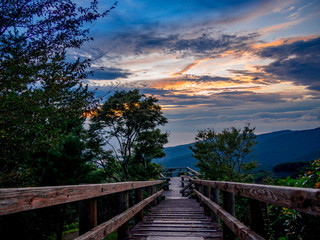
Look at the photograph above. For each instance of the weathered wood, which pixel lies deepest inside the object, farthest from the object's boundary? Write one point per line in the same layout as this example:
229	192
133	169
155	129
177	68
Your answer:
153	191
194	171
175	168
22	199
88	217
305	200
214	196
229	206
101	231
171	173
256	221
123	230
238	228
173	218
186	187
138	197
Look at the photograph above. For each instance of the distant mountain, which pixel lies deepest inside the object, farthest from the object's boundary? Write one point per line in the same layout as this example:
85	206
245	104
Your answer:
272	148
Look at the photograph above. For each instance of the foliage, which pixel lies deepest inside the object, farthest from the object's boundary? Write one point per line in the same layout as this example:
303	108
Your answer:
42	98
224	156
291	169
286	223
127	123
43	103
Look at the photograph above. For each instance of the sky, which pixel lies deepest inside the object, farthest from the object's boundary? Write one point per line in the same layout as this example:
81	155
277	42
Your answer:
213	64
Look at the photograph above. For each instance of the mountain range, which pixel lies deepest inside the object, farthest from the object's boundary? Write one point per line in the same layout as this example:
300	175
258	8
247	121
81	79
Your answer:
271	149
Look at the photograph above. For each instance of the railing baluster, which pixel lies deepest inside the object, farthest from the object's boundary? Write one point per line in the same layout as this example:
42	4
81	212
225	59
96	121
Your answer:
214	196
228	205
153	191
123	231
256	220
88	218
138	197
182	181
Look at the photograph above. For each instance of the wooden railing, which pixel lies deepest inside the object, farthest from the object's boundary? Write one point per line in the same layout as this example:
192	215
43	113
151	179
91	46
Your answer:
177	171
187	174
305	200
13	200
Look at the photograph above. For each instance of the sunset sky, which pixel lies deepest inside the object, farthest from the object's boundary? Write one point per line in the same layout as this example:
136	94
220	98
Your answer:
214	64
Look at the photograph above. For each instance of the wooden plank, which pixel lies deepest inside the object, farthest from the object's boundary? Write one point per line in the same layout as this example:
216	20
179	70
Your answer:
238	228
305	200
172	235
177	229
22	199
179	221
175	225
101	231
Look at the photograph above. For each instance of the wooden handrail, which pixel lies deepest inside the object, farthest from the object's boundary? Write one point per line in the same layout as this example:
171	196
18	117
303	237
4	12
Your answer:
13	200
174	168
194	171
22	199
305	200
101	231
238	228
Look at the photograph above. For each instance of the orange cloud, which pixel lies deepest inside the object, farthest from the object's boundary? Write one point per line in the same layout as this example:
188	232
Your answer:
280	26
188	67
284	41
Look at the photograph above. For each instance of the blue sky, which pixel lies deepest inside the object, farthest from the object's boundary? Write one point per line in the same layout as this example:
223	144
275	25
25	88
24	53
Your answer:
214	64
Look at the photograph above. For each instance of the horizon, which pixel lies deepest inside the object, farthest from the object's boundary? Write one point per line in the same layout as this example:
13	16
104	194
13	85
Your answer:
291	130
213	64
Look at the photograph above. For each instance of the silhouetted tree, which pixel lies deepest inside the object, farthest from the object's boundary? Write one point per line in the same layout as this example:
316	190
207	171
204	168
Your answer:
127	123
43	103
224	155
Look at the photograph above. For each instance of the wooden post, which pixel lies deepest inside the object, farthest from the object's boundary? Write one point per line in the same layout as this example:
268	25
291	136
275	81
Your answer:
167	184
123	231
153	191
214	196
88	218
256	220
182	181
201	191
206	193
228	205
149	192
138	197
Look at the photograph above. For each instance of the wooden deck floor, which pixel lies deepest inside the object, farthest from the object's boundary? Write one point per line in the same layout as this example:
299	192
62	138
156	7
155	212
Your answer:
176	218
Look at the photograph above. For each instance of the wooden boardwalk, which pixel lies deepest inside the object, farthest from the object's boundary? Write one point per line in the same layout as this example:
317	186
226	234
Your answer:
176	218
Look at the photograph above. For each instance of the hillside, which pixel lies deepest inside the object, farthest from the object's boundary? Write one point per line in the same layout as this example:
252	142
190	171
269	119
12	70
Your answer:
272	148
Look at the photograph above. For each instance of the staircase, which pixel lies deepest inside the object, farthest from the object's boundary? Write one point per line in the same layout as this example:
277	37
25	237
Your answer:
176	218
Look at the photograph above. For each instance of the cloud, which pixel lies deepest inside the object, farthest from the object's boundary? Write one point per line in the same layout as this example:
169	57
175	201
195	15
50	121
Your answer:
213	45
297	62
110	74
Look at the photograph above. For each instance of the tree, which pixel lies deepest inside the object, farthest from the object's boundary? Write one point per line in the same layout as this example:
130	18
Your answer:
225	155
127	123
43	103
42	98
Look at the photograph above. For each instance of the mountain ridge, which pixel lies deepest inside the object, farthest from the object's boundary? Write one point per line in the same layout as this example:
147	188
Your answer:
271	149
